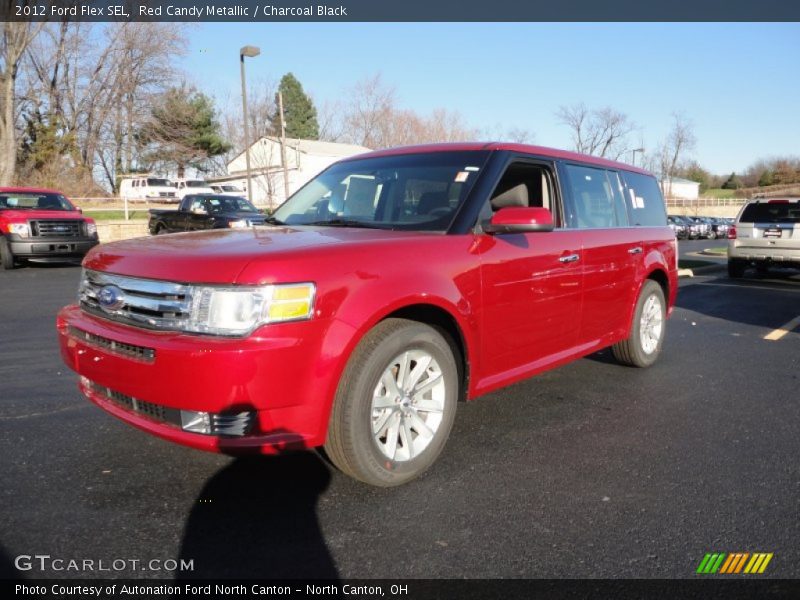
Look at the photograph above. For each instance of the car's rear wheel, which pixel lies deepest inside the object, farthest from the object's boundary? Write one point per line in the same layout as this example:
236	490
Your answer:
736	268
644	343
395	404
6	256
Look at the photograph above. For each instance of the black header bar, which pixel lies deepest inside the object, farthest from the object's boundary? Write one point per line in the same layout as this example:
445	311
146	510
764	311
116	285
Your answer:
400	10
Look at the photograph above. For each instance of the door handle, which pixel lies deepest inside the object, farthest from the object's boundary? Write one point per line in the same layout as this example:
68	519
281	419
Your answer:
636	250
569	258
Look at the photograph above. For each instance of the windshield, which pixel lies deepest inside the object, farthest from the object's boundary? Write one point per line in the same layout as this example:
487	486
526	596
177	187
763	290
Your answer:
158	182
418	192
224	204
33	201
196	183
772	212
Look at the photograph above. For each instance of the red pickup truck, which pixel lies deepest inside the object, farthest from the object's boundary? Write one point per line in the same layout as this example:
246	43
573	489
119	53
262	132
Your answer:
41	225
388	288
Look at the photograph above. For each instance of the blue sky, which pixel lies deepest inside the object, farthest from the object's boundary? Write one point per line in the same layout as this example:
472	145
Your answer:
739	83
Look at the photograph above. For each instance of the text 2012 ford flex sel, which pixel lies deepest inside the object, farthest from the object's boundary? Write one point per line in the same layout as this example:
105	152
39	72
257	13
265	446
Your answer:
388	288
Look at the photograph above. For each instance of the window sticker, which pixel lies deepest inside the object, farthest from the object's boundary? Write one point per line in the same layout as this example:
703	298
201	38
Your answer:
461	176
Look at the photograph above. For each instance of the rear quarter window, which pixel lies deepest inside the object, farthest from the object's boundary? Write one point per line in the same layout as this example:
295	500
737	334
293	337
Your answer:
644	200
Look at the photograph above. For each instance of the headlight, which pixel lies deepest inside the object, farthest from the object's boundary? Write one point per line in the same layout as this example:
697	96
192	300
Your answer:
20	229
238	311
237	224
91	229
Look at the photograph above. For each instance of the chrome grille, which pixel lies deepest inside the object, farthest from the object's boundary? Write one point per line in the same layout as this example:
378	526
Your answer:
113	346
141	302
56	228
166	194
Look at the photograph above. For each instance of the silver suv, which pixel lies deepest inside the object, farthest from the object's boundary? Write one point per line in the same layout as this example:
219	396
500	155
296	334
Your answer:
766	233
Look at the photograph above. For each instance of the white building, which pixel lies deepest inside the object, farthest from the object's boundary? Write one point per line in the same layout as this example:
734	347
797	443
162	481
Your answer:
304	159
677	187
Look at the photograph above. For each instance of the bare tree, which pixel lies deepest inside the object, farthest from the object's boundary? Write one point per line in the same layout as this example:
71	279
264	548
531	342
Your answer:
372	118
674	149
600	132
14	41
98	83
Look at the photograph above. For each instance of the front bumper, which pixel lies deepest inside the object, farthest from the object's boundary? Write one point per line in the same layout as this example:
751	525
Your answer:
280	374
51	249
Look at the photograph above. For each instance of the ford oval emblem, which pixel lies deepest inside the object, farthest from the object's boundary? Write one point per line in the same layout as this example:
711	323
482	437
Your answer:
110	298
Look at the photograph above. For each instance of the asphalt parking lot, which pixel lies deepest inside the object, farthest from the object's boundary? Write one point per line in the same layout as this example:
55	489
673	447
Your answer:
592	470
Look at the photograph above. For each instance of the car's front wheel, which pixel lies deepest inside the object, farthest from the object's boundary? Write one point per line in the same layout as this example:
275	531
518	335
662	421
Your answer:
644	343
6	256
395	404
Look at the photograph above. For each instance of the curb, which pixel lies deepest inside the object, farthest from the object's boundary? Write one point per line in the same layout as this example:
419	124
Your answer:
701	270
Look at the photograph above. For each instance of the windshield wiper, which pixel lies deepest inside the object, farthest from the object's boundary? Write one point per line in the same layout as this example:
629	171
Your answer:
342	223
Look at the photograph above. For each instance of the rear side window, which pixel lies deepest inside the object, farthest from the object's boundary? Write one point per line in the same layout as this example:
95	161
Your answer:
772	212
597	200
644	200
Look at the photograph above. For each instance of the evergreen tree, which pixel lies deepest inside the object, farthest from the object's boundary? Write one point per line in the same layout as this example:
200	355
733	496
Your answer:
298	110
732	183
183	130
765	179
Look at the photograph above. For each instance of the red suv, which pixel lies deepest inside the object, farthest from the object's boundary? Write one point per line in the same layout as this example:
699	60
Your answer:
389	287
42	226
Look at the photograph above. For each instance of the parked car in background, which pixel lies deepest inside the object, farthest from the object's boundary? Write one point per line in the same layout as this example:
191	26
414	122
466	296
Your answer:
146	188
391	286
41	225
720	226
677	225
192	186
205	211
766	234
227	189
692	228
704	230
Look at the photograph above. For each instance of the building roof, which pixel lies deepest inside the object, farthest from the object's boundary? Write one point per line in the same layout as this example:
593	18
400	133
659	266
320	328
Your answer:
680	180
312	147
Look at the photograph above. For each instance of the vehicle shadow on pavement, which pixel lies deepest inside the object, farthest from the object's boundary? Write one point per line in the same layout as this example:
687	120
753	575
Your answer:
8	571
257	518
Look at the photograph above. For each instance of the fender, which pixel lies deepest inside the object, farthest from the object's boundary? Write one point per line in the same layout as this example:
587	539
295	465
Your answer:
351	324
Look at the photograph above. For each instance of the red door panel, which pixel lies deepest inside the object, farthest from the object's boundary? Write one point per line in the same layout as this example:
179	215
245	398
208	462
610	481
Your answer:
531	298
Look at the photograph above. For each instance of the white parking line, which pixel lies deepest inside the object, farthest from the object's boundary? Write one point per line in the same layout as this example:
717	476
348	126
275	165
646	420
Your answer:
749	286
782	330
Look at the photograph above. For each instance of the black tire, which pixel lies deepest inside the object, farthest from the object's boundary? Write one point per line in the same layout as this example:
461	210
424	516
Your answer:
350	444
160	229
6	256
762	268
736	268
631	351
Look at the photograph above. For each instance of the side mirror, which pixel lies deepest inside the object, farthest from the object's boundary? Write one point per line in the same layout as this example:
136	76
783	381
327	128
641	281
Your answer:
519	219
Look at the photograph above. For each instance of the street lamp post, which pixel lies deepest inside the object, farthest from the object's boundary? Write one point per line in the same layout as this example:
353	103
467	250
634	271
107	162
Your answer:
633	155
250	52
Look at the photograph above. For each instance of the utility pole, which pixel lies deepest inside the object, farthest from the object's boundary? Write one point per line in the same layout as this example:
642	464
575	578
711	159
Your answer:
283	148
251	52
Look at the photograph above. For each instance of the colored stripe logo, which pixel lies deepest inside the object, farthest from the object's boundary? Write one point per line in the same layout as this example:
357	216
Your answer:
734	563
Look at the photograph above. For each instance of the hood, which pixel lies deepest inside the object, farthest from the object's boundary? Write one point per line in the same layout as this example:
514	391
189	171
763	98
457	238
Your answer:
220	255
26	214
